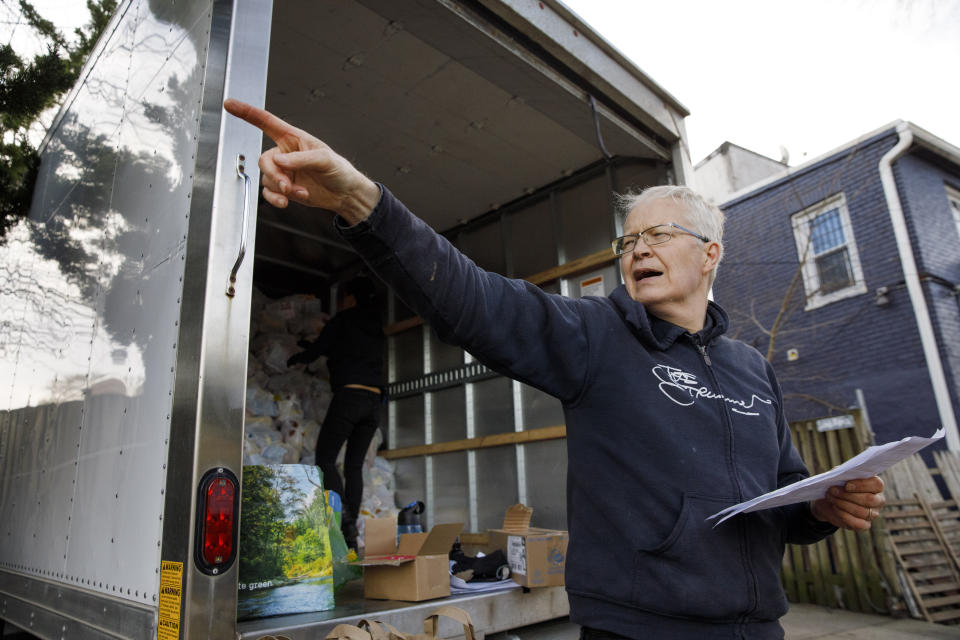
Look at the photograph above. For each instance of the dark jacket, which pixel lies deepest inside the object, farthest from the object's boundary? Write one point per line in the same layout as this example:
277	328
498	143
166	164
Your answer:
353	342
664	428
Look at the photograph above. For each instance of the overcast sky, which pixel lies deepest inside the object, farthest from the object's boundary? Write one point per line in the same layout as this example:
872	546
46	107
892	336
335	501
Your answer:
67	15
809	75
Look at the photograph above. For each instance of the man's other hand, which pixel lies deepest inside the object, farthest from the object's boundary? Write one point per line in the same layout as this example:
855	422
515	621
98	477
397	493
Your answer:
853	506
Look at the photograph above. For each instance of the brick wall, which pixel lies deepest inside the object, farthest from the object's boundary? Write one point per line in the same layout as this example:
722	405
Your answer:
845	345
921	180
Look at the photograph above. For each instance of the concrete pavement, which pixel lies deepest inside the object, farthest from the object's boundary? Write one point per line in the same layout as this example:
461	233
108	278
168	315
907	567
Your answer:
811	622
802	622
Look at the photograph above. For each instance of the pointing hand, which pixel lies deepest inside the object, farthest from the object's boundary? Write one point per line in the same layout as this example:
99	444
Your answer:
304	169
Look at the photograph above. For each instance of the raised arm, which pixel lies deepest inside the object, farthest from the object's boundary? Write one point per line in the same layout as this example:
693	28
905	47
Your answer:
509	325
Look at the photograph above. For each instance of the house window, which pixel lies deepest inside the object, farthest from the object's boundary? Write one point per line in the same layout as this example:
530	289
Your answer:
828	252
953	195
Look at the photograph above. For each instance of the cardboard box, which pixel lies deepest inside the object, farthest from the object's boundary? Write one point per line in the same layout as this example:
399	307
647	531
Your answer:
416	569
537	557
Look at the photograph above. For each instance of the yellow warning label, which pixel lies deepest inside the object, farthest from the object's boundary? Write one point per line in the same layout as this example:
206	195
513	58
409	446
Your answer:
171	591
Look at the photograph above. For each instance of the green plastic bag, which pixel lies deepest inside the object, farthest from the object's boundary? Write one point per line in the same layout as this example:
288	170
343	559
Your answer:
343	572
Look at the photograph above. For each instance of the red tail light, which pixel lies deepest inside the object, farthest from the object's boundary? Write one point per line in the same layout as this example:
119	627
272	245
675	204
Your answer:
216	521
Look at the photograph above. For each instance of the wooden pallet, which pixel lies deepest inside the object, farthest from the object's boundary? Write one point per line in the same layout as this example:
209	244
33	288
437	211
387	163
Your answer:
947	516
911	477
929	565
948	464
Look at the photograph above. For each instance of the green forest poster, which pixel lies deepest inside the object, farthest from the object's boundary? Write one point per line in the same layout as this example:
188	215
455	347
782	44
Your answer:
286	565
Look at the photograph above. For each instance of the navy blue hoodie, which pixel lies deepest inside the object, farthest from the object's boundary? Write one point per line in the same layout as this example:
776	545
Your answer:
664	428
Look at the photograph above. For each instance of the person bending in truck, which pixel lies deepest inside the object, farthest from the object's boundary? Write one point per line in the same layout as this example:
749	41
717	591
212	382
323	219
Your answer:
668	420
353	343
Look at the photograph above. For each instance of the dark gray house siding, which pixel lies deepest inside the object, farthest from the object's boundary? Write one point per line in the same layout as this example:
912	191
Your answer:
854	342
922	179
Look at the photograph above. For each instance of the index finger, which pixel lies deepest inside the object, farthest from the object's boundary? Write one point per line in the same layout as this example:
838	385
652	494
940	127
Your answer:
865	485
262	119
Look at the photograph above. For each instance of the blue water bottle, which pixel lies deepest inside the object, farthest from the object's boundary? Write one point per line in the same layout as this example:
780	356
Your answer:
333	500
408	520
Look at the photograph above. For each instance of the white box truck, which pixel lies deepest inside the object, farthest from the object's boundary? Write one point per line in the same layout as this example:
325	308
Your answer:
125	296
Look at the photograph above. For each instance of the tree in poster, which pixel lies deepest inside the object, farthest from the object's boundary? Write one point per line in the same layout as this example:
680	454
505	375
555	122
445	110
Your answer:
308	547
284	528
263	528
290	567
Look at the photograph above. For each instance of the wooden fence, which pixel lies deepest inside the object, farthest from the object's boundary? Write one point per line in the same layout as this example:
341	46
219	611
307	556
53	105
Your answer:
923	520
854	571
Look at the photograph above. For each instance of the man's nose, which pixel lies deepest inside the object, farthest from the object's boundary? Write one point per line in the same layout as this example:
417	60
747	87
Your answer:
641	248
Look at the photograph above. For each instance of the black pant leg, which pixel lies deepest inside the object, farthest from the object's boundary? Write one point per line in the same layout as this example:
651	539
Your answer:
358	443
336	429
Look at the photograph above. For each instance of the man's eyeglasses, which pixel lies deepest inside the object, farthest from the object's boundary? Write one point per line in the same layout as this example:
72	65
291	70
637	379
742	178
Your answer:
653	236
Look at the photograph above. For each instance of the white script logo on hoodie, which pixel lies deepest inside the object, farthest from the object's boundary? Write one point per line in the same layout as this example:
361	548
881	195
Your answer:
684	389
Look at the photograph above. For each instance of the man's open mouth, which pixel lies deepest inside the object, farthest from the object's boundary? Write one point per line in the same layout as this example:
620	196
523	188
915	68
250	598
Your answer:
643	274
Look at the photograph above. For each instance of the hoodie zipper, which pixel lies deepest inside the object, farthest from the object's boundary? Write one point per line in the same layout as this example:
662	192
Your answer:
748	566
702	348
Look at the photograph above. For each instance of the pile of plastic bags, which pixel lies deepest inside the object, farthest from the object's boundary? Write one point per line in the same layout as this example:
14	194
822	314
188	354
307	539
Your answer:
286	406
379	487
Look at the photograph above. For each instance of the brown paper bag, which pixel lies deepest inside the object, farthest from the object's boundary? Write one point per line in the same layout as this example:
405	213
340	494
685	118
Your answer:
378	632
432	624
347	632
375	630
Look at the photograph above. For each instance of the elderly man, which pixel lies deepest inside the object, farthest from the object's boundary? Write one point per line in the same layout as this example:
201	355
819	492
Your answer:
668	421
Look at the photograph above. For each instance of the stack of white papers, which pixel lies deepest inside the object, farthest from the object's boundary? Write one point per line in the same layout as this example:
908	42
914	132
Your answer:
865	464
459	587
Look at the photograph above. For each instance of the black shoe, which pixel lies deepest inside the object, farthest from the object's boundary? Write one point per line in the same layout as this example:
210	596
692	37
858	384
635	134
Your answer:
349	528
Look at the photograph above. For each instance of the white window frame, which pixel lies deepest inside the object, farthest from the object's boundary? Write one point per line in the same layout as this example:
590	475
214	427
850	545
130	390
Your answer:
953	196
811	276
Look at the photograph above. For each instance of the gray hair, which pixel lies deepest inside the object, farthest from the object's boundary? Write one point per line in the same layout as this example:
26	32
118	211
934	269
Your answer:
705	217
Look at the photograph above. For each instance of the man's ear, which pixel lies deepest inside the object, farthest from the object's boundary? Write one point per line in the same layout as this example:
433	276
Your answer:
711	256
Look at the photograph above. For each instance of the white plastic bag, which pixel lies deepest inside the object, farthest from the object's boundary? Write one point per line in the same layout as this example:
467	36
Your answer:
309	318
258	301
263	438
274	349
288	407
254	459
291	381
311	430
317	402
268	322
255	373
280	453
292	433
319	368
250	447
379	484
260	402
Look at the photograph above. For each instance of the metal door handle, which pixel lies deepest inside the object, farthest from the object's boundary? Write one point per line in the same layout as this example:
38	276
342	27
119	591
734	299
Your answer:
231	291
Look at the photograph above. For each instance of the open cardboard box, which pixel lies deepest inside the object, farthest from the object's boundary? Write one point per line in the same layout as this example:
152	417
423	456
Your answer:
416	569
537	557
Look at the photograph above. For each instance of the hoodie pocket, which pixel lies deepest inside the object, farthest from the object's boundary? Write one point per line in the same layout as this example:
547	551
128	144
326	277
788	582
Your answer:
698	571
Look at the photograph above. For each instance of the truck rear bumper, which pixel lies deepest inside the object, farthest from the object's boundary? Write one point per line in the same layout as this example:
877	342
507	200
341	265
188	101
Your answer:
490	612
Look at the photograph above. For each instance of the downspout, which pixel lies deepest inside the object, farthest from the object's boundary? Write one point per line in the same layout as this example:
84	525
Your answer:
909	265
